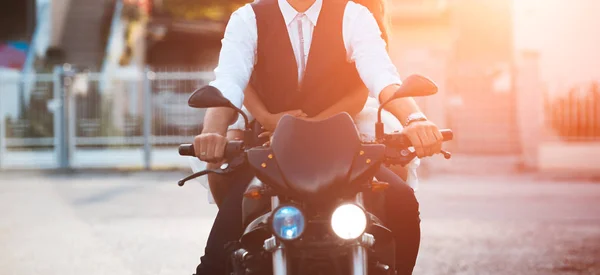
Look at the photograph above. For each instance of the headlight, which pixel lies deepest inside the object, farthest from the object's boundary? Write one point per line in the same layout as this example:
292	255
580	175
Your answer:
288	223
349	221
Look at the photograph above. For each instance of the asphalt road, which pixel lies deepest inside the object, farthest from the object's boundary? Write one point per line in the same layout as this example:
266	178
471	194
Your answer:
142	223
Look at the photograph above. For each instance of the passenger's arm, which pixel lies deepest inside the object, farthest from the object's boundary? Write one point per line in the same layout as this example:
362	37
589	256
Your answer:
255	106
352	104
258	109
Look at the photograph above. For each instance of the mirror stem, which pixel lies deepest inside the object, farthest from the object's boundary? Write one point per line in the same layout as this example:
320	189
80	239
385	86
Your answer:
379	130
240	112
381	108
248	133
246	121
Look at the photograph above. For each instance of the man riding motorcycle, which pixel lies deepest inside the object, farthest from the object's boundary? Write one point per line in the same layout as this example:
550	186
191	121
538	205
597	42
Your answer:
270	41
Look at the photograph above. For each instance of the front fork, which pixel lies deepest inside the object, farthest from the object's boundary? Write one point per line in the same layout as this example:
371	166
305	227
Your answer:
280	260
359	252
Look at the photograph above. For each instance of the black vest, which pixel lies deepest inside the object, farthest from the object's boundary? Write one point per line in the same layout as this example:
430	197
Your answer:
328	76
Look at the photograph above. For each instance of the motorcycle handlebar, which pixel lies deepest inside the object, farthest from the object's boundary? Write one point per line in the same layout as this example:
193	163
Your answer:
447	134
232	149
401	141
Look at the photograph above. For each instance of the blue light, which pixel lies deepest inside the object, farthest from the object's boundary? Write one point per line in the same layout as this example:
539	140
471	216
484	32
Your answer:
288	223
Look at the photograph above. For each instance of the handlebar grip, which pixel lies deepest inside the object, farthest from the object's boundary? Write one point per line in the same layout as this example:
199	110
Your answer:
187	150
447	134
399	140
232	149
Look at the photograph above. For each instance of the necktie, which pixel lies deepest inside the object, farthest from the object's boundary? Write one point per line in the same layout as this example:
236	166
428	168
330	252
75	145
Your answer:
301	40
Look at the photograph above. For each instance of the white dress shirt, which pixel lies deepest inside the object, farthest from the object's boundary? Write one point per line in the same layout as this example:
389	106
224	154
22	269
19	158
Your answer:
361	35
364	45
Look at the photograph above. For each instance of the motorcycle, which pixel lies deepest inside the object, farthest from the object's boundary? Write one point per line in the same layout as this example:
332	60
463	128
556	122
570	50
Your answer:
314	206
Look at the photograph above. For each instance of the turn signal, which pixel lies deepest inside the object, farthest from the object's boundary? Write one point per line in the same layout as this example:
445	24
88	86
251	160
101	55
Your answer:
253	193
379	186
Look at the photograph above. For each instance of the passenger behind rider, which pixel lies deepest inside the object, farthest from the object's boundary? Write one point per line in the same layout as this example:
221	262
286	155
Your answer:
364	46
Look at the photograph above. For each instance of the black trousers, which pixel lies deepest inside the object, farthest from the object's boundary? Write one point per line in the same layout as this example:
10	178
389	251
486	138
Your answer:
402	211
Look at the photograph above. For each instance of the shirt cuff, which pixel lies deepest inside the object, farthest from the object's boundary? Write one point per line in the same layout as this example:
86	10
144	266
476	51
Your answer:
382	82
230	91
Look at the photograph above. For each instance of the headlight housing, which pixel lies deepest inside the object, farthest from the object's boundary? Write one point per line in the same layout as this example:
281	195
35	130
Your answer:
349	221
288	222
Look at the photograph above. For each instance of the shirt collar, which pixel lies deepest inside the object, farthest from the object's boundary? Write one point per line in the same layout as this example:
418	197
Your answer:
289	13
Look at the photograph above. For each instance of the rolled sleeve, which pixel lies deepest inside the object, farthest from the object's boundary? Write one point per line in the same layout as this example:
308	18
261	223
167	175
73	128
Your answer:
237	56
230	90
368	50
382	81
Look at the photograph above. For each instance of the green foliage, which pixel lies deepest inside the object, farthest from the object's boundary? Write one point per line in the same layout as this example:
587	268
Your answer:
131	12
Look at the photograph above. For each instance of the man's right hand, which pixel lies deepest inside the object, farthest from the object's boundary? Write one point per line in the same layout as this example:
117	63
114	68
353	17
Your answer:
210	147
271	122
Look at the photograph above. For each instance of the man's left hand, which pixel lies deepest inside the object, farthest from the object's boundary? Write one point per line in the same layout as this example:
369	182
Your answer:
425	138
266	134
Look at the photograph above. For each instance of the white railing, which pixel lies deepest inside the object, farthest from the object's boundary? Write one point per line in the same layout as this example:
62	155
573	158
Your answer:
69	123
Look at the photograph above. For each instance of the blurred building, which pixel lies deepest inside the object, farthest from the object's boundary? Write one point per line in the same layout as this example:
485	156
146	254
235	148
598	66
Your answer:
17	24
566	36
563	37
466	47
494	60
187	34
499	65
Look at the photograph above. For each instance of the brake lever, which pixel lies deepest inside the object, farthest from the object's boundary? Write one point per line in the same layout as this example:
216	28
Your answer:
405	156
195	175
402	157
447	155
235	163
226	168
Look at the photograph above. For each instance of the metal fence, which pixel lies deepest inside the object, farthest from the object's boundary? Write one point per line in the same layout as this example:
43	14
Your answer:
574	114
76	119
571	132
27	132
70	122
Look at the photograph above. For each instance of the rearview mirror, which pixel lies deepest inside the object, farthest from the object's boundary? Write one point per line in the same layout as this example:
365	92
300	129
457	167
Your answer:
208	97
414	86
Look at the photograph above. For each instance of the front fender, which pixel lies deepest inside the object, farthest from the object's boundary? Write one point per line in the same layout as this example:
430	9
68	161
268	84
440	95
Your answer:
256	233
